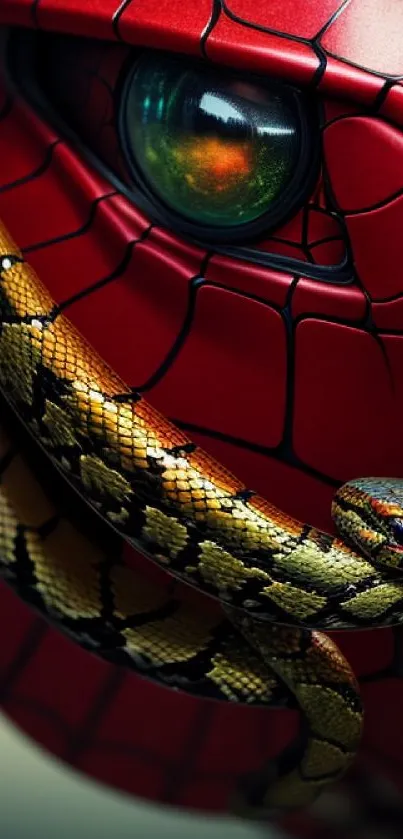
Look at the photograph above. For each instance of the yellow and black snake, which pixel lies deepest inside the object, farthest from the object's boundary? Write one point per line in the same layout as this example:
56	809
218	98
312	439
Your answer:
278	581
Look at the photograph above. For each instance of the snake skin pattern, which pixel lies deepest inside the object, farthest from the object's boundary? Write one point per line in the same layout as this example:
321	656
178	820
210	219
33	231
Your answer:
182	509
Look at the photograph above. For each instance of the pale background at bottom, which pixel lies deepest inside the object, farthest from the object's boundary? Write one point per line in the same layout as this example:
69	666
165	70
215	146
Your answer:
40	797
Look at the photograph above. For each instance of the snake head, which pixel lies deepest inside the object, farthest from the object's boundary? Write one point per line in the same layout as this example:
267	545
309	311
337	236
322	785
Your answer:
396	526
368	513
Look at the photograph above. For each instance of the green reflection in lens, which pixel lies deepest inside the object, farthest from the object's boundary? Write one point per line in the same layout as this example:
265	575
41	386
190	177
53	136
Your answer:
219	151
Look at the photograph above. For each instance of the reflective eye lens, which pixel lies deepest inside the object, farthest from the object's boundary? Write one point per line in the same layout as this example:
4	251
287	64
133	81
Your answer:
217	150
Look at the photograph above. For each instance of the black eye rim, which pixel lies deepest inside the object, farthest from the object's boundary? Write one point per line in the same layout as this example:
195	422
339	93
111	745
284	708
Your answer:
290	199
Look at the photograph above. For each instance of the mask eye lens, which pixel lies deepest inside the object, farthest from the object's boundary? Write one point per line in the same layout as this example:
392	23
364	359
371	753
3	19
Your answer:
217	151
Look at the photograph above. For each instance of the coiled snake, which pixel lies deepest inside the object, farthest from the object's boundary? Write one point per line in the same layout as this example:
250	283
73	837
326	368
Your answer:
278	581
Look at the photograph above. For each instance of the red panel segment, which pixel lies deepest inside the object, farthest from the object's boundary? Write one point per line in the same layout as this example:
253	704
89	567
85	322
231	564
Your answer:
293	228
133	321
218	743
323	239
92	18
16	12
169	24
240	368
67	663
364	158
88	97
66	184
100	109
177	247
377	244
244	47
394	349
384	731
345	410
335	301
367	653
291	250
111	58
15	620
22	130
285	16
369	38
328	253
334	109
93	255
321	225
348	82
392	107
267	284
388	315
162	705
178	27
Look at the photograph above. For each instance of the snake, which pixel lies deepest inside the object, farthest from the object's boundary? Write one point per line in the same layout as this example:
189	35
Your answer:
254	592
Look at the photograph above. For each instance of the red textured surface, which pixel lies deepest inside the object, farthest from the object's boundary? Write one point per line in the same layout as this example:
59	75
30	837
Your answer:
367	654
387	735
170	24
90	75
251	279
304	21
33	154
393	345
262	52
357	407
365	157
355	33
103	245
280	376
65	668
64	184
131	300
350	82
388	315
392	107
17	12
369	35
311	235
377	245
94	19
333	109
215	353
336	302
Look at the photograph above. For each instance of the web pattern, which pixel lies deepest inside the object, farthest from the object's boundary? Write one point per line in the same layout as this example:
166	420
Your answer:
99	729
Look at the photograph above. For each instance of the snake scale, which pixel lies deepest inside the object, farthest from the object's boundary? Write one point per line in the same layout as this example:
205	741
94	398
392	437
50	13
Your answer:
273	584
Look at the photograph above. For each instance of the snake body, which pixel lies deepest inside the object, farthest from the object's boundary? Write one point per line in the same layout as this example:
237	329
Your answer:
279	581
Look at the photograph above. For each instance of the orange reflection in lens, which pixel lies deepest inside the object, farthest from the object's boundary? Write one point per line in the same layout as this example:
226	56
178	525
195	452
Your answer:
214	163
